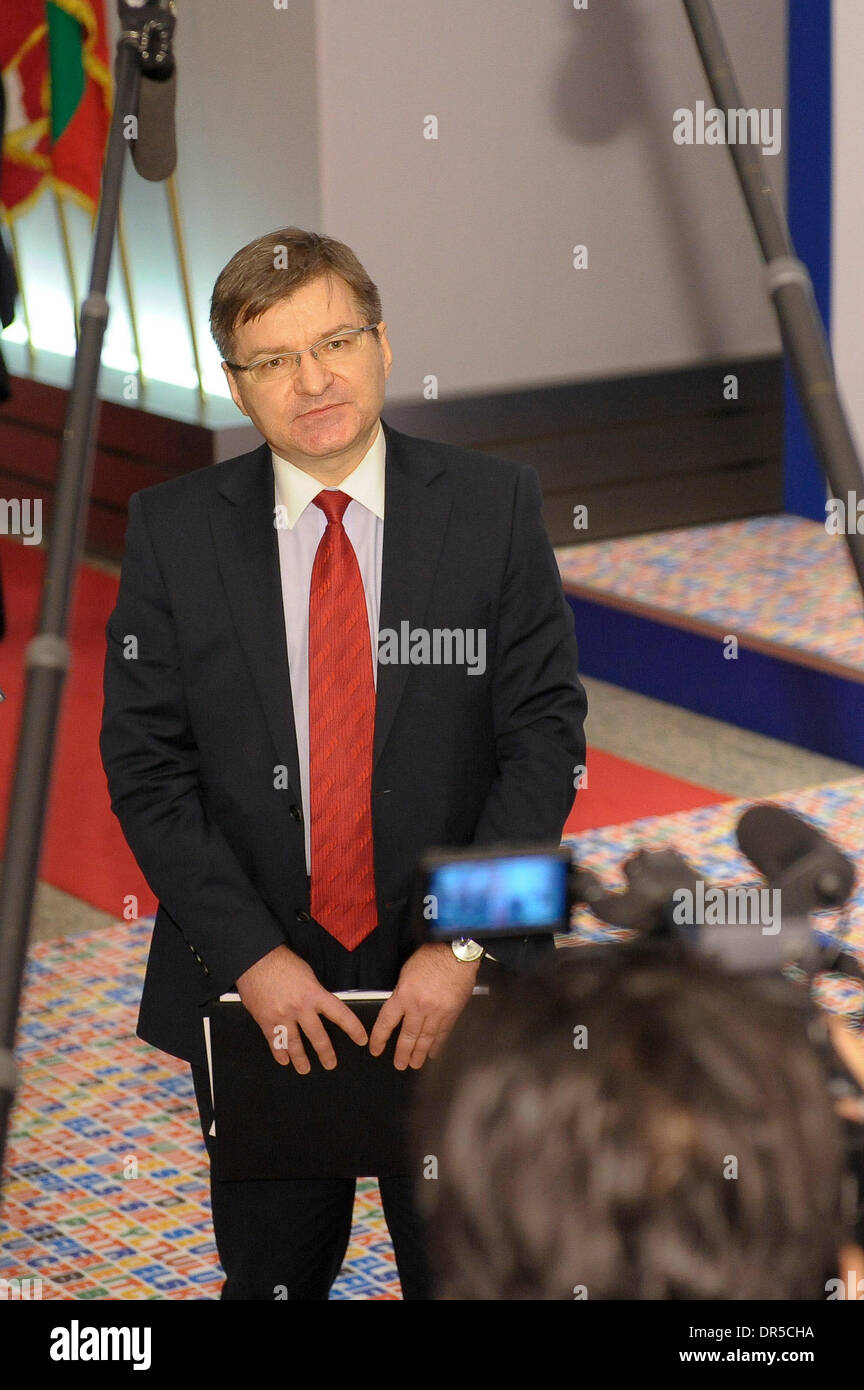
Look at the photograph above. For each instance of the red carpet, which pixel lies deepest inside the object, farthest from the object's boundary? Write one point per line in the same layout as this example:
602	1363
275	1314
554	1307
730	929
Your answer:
84	851
619	791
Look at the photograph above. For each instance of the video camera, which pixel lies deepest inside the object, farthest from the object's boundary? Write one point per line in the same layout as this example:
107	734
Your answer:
763	932
521	890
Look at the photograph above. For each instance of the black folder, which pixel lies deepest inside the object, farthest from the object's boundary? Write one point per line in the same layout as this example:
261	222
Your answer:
271	1122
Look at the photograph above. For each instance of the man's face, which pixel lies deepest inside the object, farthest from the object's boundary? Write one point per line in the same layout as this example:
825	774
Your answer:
321	419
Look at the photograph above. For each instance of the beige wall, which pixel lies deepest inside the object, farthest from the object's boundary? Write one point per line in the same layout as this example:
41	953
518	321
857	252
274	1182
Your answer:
847	263
555	128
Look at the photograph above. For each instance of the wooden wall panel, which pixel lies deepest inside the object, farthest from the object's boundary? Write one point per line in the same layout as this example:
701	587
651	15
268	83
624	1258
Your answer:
642	453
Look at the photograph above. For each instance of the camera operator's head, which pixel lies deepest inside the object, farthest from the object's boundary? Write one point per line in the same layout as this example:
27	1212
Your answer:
636	1125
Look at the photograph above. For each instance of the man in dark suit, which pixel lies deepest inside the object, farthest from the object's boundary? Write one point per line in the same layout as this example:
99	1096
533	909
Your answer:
327	655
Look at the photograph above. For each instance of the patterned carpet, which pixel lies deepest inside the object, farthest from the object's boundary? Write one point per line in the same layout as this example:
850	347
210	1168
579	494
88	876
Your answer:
781	579
106	1196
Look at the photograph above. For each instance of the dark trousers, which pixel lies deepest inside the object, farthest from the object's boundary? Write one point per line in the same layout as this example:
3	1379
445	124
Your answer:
287	1239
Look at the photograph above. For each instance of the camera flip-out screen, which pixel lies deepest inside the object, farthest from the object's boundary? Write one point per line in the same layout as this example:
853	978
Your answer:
478	893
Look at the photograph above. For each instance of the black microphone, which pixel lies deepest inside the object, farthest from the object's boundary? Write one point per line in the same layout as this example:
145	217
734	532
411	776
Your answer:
154	150
778	843
154	153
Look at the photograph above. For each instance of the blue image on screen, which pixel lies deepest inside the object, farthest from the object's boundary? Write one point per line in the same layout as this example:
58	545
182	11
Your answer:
525	892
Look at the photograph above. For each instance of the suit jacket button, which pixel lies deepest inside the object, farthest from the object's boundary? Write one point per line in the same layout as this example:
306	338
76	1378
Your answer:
296	813
301	915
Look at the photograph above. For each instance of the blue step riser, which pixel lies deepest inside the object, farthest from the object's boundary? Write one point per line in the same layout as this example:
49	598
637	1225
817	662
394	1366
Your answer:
772	696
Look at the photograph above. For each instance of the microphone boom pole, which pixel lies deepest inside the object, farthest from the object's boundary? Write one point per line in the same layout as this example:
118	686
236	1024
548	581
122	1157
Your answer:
144	45
788	283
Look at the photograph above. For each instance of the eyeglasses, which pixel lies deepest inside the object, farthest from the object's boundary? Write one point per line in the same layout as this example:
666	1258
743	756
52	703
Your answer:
338	351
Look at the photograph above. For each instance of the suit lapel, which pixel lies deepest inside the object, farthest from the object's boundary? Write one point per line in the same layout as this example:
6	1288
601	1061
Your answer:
247	549
415	519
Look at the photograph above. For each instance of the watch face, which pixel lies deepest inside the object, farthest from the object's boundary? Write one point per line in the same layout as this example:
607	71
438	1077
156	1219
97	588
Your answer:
467	950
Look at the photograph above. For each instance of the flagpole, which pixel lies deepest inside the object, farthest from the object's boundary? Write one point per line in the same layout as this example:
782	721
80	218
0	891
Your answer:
180	249
70	263
16	261
123	248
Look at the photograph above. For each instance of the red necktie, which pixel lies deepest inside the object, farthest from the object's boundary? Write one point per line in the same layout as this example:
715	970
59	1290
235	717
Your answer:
341	730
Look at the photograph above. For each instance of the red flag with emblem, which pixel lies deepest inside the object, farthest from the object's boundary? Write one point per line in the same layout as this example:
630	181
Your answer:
54	60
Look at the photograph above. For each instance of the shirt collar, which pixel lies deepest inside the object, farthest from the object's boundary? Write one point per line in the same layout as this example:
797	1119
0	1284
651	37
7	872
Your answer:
295	489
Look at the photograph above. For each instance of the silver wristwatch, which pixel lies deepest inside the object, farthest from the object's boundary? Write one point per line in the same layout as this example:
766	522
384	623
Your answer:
467	950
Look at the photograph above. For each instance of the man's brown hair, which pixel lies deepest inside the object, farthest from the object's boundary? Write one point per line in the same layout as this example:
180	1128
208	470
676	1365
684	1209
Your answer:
271	268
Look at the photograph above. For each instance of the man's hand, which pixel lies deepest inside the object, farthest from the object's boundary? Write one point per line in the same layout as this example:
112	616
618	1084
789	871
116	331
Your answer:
433	989
283	995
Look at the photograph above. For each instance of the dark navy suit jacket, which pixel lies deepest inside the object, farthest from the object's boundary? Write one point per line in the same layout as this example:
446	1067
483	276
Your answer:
198	716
